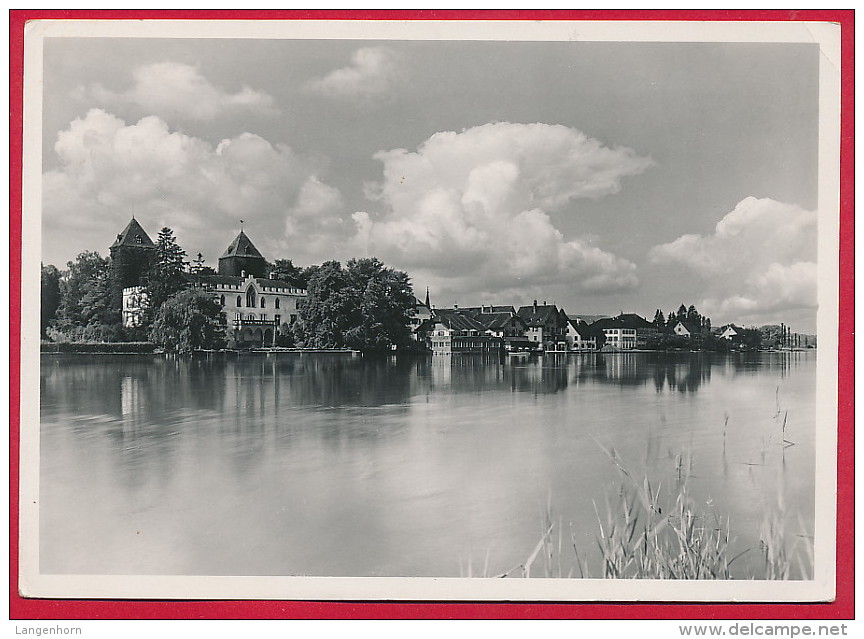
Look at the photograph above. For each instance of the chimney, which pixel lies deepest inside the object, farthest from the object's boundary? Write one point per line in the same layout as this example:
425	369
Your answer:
242	273
535	305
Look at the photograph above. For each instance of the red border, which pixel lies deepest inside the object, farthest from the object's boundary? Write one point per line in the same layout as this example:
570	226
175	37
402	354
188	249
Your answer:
842	608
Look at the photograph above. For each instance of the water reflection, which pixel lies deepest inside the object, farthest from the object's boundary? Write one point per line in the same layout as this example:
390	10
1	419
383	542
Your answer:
303	464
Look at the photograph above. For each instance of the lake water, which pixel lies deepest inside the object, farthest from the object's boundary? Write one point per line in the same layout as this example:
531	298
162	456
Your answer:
301	464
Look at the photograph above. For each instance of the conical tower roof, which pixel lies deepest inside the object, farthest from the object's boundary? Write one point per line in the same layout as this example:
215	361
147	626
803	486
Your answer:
133	235
241	247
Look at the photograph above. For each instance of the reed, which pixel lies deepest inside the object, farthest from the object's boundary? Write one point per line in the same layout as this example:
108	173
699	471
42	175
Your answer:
649	534
653	531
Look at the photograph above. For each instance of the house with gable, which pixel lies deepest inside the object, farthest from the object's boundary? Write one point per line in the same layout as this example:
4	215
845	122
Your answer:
451	331
581	337
546	326
731	332
685	329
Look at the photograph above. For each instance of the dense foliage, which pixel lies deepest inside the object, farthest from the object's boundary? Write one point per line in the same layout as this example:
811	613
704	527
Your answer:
50	297
86	311
365	305
188	321
703	341
688	314
286	271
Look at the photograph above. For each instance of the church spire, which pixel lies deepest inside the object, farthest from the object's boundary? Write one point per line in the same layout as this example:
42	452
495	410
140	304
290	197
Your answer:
427	298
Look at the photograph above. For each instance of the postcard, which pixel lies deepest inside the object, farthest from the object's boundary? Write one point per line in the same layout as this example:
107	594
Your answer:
486	310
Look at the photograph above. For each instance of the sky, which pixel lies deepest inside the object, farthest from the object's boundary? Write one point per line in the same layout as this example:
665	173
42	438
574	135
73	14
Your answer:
599	176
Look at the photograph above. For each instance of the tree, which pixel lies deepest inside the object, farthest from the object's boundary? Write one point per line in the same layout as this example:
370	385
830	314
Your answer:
50	297
752	338
769	335
670	319
681	315
189	320
287	271
385	306
659	320
693	316
667	342
326	312
166	277
86	310
285	335
197	265
365	306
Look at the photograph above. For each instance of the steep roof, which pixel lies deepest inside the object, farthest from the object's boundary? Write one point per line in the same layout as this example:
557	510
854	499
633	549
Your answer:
691	328
537	315
133	235
457	321
584	330
735	328
497	321
625	320
241	247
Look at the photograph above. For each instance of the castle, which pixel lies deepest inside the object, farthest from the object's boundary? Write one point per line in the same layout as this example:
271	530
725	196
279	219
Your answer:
254	306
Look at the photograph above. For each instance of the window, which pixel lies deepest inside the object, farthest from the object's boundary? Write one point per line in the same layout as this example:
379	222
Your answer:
251	297
239	301
277	319
277	302
293	318
237	317
222	300
263	317
138	240
251	317
262	303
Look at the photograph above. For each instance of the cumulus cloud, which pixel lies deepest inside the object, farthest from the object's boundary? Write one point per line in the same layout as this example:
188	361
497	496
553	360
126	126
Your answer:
371	73
470	211
110	170
174	90
759	263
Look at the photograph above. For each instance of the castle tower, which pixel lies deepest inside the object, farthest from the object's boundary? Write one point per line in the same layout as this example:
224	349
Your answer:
131	255
241	255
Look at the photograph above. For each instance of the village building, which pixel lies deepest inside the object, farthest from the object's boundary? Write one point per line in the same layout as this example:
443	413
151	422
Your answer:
685	329
582	338
450	331
508	327
626	331
546	326
731	332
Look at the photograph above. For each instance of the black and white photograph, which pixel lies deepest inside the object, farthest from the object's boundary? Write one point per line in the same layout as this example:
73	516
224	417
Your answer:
476	311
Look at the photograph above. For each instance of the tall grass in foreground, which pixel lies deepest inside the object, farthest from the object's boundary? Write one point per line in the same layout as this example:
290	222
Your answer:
638	539
647	532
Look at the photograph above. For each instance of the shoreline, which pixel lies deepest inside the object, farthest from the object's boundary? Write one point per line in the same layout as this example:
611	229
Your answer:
87	348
